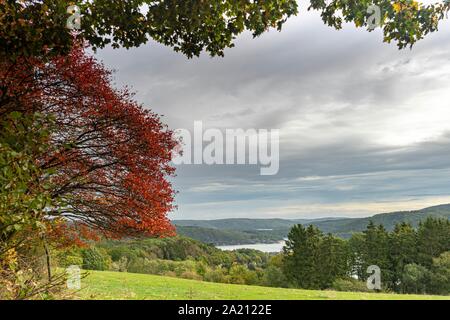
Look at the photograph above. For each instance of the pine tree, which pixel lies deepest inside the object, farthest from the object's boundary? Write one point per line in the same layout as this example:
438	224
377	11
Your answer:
333	260
312	260
402	251
372	249
301	256
433	239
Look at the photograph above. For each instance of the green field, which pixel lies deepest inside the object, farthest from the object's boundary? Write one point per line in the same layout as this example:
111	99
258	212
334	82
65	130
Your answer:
117	285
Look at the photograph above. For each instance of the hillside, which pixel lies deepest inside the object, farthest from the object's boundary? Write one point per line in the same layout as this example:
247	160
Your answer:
129	286
247	231
231	237
241	224
344	227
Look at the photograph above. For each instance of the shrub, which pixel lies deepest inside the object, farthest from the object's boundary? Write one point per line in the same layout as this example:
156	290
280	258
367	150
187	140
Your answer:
121	265
191	275
274	277
68	258
415	278
96	259
216	275
350	284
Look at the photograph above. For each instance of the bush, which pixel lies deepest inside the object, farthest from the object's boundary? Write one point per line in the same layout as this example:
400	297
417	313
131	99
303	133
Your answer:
274	277
170	274
415	278
440	277
190	275
240	274
96	259
216	275
350	284
68	258
121	265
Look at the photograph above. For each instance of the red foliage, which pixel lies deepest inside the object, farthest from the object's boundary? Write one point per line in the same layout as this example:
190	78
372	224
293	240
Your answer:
111	156
64	235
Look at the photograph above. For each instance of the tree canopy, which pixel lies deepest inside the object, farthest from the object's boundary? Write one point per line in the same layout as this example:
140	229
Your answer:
110	158
33	27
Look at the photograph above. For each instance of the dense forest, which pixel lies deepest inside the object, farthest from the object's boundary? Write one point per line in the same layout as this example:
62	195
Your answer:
411	260
231	237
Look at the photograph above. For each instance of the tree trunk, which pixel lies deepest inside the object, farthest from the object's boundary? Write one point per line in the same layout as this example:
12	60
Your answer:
47	256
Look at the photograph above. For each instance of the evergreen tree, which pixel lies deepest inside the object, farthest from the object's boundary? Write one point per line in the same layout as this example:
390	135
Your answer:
333	259
301	256
415	278
410	261
433	239
402	251
377	252
440	275
357	254
312	260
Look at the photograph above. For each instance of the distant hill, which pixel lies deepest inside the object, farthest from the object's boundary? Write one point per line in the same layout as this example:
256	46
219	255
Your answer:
344	227
246	231
240	224
231	237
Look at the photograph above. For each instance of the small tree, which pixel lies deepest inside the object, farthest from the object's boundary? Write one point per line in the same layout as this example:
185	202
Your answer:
415	278
24	186
440	278
402	251
25	195
96	259
333	257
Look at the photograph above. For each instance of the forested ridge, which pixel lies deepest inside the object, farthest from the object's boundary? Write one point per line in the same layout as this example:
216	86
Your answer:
247	231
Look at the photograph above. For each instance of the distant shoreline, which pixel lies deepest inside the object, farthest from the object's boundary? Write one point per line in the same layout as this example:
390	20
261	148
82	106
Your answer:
264	247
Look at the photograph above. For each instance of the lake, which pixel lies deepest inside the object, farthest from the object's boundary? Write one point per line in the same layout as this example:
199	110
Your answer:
264	247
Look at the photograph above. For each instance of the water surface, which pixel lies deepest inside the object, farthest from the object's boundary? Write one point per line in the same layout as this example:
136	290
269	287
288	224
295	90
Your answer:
264	247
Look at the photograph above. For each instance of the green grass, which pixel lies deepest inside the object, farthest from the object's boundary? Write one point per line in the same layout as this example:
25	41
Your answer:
116	285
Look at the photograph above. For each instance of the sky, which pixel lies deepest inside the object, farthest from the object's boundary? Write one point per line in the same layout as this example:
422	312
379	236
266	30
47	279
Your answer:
364	127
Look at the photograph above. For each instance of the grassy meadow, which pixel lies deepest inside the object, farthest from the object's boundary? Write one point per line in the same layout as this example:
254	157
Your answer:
121	285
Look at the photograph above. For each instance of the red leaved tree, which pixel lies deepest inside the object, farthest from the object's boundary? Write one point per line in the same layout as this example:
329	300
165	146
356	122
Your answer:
110	157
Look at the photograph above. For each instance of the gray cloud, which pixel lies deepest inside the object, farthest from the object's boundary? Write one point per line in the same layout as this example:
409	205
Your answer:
362	124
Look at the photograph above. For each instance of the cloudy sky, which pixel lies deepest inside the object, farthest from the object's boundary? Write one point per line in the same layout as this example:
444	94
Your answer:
364	127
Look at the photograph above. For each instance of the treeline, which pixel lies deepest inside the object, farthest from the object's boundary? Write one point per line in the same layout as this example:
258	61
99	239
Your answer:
411	260
176	256
231	237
